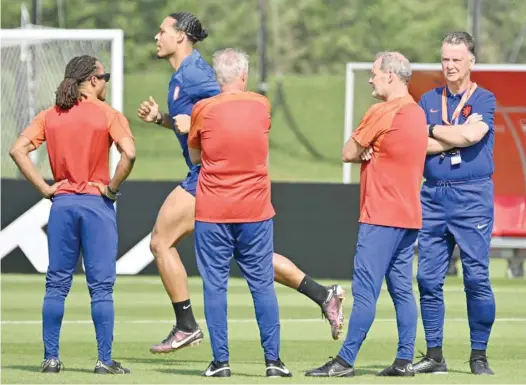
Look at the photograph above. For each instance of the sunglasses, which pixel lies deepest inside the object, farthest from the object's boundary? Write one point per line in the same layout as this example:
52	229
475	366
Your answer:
105	76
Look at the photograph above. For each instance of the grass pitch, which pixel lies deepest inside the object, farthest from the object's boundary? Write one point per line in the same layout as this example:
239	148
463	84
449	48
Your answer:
144	316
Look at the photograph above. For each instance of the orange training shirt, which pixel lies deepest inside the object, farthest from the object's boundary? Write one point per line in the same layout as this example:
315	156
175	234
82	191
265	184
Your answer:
390	182
78	142
232	131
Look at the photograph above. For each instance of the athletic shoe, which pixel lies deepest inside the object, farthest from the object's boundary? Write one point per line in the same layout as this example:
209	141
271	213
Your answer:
177	339
394	370
51	365
114	368
277	369
480	366
332	309
218	369
429	365
333	368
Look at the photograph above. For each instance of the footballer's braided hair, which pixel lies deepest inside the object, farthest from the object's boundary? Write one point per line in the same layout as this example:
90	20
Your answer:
78	70
190	25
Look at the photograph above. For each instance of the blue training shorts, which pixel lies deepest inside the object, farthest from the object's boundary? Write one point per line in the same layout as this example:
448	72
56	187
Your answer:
189	184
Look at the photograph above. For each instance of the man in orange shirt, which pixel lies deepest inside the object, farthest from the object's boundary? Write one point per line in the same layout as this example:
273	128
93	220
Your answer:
193	80
229	137
390	213
79	130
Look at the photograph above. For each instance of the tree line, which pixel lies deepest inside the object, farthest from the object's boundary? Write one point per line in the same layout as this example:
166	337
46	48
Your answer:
304	36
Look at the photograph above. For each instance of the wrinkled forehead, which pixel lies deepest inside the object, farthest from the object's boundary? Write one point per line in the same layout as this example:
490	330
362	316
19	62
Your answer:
455	50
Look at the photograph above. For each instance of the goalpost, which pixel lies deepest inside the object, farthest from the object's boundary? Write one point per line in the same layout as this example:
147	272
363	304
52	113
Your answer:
33	61
501	79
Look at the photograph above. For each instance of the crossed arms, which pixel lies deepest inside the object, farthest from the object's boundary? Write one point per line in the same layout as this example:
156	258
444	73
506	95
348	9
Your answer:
464	135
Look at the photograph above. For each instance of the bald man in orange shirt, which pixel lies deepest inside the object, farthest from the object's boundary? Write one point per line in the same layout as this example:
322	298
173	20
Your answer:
395	133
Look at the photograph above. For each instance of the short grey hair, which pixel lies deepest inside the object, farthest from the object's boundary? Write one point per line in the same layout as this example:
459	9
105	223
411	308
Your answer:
396	63
229	64
461	38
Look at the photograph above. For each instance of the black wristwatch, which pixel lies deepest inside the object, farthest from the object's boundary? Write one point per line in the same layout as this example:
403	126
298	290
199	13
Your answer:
111	194
159	119
430	130
111	191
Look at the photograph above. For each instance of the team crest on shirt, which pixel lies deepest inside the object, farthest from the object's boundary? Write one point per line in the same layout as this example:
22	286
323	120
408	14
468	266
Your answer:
466	110
176	93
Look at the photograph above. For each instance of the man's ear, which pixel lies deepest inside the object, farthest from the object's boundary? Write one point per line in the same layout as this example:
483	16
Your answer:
180	36
472	61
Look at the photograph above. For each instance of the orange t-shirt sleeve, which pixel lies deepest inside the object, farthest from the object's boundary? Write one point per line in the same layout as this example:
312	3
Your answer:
119	128
269	109
197	119
369	128
35	132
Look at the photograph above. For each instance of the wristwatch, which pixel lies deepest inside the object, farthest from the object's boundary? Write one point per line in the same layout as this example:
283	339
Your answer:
159	119
430	130
110	193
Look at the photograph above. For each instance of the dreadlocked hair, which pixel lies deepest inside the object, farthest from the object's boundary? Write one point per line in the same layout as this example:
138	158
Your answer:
78	70
190	25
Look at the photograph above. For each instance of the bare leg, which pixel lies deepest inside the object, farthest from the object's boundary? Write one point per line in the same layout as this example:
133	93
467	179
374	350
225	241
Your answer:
286	272
174	221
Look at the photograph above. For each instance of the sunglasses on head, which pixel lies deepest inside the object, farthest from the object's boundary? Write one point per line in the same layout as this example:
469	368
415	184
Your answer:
105	76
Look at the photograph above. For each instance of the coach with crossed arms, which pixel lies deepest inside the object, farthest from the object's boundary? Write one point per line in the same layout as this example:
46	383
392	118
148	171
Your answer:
457	203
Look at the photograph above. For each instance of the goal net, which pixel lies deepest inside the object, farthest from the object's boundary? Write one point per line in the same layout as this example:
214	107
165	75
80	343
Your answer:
33	61
508	84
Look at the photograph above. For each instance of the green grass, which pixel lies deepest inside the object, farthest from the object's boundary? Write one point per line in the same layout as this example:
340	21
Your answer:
316	104
305	342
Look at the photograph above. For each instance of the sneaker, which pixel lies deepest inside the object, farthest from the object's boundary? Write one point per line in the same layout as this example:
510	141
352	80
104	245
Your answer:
480	366
218	369
429	365
177	339
114	368
51	365
332	309
333	368
277	369
394	370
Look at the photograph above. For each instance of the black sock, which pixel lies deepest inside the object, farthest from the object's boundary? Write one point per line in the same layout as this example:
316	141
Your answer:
313	290
477	354
400	362
435	353
184	316
342	362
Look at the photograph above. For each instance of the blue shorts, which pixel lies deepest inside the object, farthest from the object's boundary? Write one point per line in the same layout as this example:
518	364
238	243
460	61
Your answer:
189	184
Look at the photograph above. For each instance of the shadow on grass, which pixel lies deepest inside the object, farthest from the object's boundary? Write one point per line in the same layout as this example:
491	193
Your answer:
37	368
164	360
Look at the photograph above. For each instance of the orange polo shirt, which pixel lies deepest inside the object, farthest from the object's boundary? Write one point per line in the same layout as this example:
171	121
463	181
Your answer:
78	142
232	132
390	182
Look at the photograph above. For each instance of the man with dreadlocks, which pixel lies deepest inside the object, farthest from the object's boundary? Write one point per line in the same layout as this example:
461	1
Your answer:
79	130
192	81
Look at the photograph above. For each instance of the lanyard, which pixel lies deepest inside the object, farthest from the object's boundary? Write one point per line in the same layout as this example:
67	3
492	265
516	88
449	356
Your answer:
471	89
